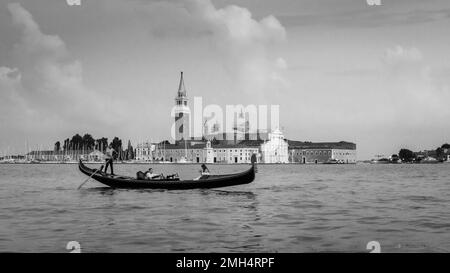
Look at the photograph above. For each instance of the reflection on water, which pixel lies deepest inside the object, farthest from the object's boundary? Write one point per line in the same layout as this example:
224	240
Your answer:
287	209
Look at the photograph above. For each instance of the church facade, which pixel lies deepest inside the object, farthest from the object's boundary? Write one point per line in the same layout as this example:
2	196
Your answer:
275	150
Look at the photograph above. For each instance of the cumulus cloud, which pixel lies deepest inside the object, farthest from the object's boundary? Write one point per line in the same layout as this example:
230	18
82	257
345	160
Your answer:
400	55
9	75
245	45
416	95
10	81
46	90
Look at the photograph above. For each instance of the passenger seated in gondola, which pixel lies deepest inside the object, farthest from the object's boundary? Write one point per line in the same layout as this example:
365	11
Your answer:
149	175
203	172
140	175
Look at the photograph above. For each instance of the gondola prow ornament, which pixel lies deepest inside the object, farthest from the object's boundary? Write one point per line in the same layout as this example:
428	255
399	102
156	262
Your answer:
254	161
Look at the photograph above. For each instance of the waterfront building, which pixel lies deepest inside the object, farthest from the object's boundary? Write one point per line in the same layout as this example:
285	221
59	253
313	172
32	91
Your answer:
275	150
205	151
322	152
236	153
237	136
144	151
237	146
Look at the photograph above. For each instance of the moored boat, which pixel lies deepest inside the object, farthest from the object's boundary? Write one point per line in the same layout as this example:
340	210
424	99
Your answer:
380	161
429	160
205	181
448	159
332	161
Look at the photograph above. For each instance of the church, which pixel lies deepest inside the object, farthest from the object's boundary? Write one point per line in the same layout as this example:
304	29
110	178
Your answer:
236	147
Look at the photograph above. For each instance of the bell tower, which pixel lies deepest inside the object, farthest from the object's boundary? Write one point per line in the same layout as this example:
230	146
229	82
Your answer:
182	113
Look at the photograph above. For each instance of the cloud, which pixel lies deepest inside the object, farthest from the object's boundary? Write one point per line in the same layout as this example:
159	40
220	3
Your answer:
246	47
403	91
401	55
369	17
413	84
9	75
10	81
33	40
399	101
46	90
409	88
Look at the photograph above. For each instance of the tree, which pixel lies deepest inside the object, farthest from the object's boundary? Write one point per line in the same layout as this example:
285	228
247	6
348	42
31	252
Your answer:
102	143
66	144
130	151
76	142
445	146
439	153
117	146
406	155
57	146
88	142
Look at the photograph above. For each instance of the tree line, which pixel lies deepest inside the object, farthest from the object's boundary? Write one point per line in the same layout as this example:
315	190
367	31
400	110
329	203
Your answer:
88	143
409	156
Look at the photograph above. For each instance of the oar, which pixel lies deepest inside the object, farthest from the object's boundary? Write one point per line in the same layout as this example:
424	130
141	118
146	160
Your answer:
101	168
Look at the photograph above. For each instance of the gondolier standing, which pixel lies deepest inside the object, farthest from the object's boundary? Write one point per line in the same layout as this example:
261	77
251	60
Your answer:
109	158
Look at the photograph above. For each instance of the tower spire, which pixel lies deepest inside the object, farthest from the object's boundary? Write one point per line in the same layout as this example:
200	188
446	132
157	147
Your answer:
182	113
181	88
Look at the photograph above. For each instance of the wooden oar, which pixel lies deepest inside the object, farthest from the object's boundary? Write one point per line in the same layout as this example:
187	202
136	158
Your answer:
99	170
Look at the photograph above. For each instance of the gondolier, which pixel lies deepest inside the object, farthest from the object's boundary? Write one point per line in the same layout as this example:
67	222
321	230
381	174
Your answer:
109	158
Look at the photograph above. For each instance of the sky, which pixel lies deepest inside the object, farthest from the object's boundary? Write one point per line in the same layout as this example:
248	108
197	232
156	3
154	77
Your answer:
378	76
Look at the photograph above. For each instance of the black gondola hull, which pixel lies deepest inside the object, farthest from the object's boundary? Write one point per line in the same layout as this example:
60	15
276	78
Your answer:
213	181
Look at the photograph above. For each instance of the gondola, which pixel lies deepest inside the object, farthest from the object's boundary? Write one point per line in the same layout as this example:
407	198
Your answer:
204	182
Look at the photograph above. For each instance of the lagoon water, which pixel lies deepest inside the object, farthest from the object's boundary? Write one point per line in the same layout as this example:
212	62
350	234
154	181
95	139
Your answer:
288	208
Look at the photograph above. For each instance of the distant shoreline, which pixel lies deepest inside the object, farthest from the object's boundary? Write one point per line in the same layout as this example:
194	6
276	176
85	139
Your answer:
174	163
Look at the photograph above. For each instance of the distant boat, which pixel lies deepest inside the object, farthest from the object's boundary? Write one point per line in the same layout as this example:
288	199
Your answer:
162	162
184	160
35	161
332	161
380	161
448	159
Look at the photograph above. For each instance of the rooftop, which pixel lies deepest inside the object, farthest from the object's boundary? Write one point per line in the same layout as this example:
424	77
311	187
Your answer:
218	145
343	145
